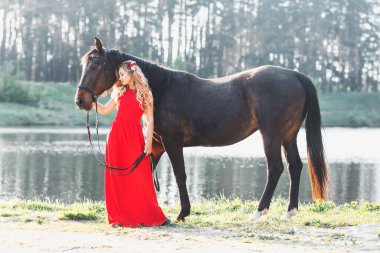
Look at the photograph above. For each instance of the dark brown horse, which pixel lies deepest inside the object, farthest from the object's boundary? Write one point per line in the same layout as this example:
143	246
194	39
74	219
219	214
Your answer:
191	111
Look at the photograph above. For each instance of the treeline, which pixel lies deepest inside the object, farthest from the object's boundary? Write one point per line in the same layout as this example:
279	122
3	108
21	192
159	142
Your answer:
336	42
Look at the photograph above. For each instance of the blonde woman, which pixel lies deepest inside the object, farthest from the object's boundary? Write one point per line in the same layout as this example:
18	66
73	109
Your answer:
130	200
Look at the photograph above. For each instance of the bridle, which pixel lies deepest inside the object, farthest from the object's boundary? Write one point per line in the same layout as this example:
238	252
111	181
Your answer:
92	91
120	171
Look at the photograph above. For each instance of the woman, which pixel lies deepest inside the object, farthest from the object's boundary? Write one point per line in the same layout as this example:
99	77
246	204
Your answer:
130	200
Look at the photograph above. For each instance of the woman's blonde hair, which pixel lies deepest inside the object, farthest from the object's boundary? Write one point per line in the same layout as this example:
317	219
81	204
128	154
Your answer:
139	81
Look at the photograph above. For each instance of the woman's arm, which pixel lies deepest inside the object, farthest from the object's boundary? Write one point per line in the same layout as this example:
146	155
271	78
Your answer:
148	109
107	108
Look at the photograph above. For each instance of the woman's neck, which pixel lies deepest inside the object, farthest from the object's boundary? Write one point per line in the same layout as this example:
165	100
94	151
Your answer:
131	87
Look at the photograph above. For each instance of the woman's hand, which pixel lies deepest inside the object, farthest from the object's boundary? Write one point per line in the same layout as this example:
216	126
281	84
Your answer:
148	149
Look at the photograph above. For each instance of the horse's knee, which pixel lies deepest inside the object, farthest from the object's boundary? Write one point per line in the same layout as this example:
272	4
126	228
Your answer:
275	170
292	156
296	163
299	165
295	169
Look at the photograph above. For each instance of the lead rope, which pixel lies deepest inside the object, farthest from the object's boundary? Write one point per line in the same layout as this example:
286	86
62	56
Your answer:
97	127
154	173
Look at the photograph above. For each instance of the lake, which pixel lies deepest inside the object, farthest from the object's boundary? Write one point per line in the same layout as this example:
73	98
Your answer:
57	164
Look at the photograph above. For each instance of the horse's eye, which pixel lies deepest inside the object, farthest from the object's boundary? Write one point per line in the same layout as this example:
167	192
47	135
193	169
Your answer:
93	66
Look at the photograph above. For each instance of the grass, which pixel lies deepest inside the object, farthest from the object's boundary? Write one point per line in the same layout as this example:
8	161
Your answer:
353	109
53	104
220	214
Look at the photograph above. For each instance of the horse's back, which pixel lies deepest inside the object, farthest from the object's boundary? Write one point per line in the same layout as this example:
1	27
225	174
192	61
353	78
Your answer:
223	111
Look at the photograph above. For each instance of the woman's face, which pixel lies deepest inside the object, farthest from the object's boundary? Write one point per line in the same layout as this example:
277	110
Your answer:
124	76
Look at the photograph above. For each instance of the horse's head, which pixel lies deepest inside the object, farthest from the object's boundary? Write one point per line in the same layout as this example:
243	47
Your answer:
97	76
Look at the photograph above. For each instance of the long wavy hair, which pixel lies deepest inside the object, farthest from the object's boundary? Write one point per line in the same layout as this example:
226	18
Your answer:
139	82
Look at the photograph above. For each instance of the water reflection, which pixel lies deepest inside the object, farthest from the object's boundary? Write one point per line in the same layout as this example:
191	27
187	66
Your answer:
61	166
246	177
58	176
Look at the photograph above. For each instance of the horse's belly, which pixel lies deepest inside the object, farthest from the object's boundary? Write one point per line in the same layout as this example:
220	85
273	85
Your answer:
222	135
218	142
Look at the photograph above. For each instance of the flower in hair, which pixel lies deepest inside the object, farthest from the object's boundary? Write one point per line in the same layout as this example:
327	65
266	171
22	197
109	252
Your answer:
133	65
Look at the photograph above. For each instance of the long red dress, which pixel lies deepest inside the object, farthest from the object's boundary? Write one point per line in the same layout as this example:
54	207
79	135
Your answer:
130	200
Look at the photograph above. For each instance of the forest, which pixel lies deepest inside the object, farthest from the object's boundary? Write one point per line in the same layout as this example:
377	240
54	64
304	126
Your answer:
335	42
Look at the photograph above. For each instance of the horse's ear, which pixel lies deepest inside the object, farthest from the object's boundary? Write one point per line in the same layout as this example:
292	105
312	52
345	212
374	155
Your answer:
98	44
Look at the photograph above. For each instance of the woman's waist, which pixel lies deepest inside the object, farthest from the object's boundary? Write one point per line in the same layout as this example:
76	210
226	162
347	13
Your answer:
127	120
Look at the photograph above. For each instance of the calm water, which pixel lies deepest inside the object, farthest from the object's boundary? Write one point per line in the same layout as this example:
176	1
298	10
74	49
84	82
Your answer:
58	164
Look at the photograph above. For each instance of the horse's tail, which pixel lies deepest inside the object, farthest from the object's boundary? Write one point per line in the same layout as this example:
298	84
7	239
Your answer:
319	178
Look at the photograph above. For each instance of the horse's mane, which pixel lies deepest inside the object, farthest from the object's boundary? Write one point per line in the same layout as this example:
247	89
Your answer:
155	71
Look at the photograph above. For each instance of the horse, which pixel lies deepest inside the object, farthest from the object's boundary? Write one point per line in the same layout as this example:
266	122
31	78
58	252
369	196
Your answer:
192	111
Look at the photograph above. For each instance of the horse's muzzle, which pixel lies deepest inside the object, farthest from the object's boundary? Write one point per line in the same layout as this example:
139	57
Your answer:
83	104
80	103
83	100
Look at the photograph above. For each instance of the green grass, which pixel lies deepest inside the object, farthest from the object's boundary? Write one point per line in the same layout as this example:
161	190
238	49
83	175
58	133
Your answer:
35	205
55	106
220	213
79	216
34	103
353	109
225	213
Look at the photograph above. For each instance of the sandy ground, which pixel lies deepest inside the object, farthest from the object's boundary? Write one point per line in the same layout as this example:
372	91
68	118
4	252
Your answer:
16	237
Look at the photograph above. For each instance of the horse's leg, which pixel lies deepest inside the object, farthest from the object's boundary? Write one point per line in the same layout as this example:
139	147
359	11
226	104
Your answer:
175	153
157	150
272	148
294	168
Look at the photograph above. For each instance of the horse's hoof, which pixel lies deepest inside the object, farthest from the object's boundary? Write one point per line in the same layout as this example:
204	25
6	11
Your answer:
184	213
290	214
179	219
259	214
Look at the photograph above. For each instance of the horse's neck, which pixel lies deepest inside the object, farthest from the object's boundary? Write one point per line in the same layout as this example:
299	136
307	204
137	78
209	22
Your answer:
157	76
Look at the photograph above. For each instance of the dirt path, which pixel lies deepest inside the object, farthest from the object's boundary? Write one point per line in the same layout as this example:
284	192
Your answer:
18	237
